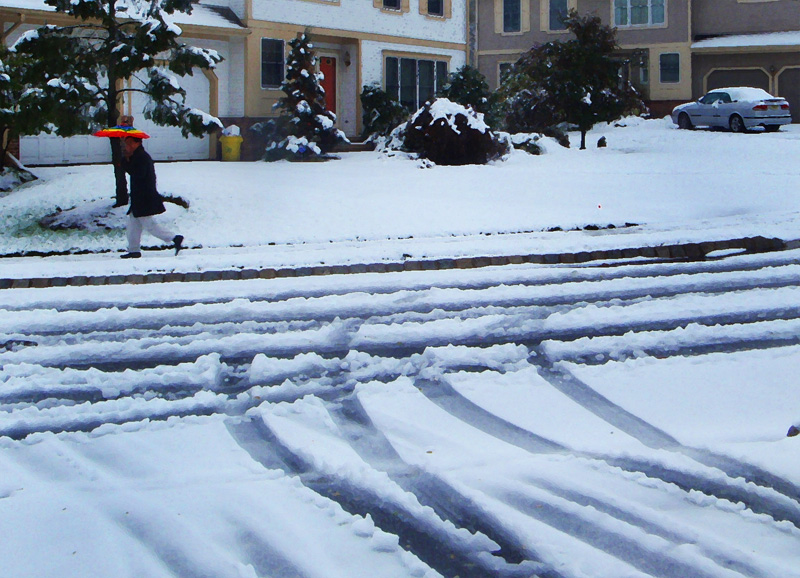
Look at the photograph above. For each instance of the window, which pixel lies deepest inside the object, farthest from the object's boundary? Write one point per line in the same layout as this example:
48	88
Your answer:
512	16
638	12
644	71
392	6
504	69
712	97
412	81
558	12
273	66
670	68
436	7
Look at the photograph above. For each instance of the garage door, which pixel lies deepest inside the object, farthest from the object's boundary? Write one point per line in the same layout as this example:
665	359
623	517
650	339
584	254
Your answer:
166	143
789	88
726	78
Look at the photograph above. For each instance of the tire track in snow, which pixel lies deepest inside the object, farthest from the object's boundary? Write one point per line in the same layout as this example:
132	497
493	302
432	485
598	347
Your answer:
430	544
783	505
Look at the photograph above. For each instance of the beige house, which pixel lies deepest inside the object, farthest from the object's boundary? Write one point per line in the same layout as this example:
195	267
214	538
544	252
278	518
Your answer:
406	46
676	49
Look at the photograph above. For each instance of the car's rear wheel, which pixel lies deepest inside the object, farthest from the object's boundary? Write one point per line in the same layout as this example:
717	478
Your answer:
736	123
772	127
684	121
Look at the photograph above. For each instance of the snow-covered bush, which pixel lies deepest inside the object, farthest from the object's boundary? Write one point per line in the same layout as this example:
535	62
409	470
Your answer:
380	114
448	134
527	142
309	133
468	86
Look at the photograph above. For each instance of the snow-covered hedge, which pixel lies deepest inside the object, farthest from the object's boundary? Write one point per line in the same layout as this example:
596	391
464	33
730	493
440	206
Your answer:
448	134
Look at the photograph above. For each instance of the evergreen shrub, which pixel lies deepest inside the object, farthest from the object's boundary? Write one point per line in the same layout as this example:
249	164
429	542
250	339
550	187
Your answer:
380	114
307	131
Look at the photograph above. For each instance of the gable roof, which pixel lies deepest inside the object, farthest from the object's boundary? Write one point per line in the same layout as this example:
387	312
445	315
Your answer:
203	15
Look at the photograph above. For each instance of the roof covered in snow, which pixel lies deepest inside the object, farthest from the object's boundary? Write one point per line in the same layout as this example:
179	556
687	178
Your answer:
771	39
207	15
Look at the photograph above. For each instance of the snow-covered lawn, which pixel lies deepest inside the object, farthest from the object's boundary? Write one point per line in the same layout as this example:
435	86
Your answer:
676	186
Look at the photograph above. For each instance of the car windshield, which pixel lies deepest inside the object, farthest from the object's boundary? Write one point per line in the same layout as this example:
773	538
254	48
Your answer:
713	97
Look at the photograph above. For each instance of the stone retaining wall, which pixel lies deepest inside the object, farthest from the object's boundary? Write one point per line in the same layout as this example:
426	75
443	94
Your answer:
690	251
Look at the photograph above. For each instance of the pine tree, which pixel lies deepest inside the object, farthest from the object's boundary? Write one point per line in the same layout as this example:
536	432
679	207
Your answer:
310	129
81	67
575	82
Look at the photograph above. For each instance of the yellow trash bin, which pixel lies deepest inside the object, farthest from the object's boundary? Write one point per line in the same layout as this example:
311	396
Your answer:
231	147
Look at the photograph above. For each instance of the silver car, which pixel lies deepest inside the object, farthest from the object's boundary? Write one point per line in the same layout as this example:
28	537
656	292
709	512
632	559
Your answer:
738	109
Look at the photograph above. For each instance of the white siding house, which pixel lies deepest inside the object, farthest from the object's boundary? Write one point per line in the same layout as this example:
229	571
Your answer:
405	46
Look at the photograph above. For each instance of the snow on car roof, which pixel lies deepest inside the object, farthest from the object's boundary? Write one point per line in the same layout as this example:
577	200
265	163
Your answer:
745	93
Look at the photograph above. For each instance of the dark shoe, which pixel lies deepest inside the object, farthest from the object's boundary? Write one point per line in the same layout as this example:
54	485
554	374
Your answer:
177	242
119	204
134	255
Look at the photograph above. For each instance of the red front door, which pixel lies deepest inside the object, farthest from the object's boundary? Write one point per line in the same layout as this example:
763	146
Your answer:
327	67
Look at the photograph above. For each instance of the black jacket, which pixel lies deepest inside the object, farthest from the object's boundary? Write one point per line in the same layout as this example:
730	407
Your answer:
145	200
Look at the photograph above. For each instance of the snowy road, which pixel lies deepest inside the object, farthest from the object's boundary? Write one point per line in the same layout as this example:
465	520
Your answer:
607	422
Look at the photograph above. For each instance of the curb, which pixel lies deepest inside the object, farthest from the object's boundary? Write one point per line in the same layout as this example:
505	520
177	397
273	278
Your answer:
687	251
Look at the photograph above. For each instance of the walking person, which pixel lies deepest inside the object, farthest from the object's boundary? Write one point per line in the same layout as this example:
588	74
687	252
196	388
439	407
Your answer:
144	198
121	182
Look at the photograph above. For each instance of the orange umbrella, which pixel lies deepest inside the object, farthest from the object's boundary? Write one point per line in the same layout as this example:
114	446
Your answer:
122	132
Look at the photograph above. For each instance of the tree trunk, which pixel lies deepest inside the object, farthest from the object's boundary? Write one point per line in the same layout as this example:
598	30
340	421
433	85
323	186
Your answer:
6	143
120	180
583	140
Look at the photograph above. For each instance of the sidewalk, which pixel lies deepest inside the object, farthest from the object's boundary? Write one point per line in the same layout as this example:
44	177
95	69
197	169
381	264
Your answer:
683	251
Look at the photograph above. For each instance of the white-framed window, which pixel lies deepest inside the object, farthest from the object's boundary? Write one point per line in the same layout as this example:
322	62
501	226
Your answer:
512	16
413	81
669	68
639	12
273	63
557	13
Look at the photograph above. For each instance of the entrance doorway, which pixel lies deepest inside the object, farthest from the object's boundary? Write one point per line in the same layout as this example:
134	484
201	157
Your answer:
327	67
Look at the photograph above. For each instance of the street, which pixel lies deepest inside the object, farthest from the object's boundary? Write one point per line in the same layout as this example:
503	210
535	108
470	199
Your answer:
510	421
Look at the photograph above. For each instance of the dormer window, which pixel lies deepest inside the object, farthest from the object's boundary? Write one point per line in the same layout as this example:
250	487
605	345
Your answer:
392	6
436	7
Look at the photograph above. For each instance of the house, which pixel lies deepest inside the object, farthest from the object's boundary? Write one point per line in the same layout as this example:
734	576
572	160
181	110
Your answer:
406	46
674	50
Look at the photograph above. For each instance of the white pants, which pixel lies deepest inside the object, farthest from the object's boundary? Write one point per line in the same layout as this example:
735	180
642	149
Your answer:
138	224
